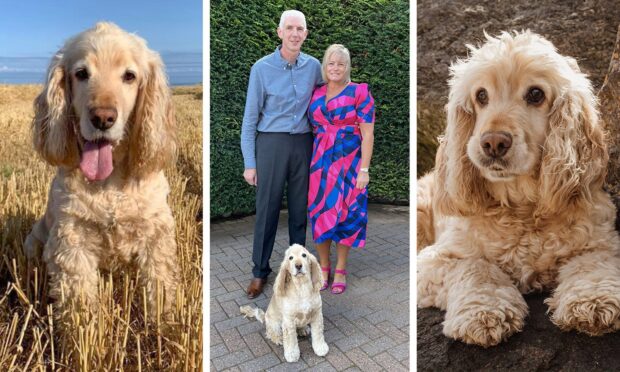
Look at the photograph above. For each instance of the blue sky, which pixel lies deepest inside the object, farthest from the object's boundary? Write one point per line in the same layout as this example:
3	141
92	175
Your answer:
30	28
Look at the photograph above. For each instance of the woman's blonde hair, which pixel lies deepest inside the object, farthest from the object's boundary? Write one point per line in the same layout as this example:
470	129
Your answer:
340	49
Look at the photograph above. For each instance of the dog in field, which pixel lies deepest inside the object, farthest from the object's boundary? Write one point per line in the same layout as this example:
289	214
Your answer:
296	303
516	202
105	120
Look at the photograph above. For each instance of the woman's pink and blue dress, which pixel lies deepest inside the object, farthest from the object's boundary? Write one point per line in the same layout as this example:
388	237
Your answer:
338	210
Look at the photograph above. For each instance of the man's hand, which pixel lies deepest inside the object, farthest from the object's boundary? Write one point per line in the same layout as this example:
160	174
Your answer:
250	176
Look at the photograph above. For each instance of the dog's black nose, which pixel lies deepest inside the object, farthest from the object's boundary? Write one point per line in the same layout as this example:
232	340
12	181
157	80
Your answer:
103	118
496	144
298	266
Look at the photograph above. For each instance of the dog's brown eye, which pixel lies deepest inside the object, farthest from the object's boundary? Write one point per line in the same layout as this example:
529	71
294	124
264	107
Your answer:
290	258
535	96
81	74
482	97
129	76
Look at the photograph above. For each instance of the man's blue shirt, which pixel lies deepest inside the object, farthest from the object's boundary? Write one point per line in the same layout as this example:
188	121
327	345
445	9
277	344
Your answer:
278	97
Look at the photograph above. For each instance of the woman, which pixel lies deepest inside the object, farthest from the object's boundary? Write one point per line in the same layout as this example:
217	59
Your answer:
342	117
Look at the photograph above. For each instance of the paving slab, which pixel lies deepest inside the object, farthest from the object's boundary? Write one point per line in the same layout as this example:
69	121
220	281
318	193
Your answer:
367	327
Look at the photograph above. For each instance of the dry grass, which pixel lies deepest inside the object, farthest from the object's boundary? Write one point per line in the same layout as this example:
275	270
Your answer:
117	335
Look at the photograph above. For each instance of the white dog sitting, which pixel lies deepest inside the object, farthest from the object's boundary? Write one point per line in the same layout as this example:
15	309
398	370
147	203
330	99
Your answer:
296	303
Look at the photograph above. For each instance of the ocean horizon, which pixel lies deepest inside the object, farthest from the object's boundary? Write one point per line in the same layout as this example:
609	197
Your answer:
182	68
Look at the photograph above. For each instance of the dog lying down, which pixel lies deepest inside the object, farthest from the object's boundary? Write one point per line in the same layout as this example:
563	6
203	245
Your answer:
295	304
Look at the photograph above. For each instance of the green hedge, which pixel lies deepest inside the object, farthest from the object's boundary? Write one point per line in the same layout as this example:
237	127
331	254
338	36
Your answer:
377	34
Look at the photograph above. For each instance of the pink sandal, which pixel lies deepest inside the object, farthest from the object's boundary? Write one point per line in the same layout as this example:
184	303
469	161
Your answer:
338	287
328	270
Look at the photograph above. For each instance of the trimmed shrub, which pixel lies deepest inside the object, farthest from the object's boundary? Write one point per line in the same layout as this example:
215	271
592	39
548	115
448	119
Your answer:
377	34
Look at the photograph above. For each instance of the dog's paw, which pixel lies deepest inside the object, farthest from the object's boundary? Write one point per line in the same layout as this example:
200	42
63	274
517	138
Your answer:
484	327
593	316
291	354
320	348
276	338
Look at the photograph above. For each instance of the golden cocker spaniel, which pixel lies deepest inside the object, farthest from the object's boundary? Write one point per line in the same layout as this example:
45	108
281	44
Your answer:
515	203
105	119
295	304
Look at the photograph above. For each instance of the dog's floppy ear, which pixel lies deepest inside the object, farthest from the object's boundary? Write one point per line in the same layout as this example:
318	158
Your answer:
283	277
315	273
461	190
53	127
153	131
574	159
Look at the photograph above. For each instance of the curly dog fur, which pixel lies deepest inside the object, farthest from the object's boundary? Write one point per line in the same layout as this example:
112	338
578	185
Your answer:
296	303
515	203
105	119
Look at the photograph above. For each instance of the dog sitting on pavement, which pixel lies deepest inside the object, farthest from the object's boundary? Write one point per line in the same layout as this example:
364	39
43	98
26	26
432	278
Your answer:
295	304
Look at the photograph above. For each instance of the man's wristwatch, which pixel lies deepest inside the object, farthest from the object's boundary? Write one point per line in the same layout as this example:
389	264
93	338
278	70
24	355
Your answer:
365	170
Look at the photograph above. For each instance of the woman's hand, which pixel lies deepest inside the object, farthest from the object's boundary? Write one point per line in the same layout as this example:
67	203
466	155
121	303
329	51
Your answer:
362	180
368	139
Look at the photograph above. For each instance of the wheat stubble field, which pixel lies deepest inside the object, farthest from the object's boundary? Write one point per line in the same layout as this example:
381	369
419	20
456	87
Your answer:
117	335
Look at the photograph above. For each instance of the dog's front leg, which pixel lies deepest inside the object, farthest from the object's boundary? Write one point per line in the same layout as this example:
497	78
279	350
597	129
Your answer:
72	257
158	263
318	341
35	241
289	339
482	305
587	297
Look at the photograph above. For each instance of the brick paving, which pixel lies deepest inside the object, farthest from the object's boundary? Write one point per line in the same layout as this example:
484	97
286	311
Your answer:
366	328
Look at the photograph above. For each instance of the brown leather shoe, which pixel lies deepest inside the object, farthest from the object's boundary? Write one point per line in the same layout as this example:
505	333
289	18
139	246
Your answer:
256	287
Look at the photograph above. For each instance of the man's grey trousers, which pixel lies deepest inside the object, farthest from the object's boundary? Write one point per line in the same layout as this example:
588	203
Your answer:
281	159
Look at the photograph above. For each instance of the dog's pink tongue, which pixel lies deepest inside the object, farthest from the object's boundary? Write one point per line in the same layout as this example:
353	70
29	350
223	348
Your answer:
96	162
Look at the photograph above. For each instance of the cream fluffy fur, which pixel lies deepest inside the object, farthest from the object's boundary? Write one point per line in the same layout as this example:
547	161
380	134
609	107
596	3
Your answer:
539	219
92	225
295	304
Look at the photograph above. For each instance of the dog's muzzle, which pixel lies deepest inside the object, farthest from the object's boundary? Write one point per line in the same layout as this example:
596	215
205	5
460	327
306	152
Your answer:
299	269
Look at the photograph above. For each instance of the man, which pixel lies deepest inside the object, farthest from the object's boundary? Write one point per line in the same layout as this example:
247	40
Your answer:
276	140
